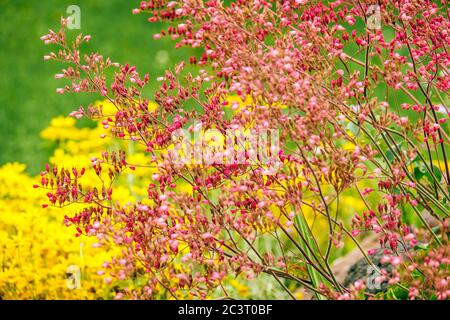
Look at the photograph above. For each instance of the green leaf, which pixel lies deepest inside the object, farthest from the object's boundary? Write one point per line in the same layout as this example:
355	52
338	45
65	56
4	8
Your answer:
302	225
394	152
421	246
390	156
419	170
437	174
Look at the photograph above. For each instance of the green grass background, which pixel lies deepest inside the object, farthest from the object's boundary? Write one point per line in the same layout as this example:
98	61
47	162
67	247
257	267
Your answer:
28	99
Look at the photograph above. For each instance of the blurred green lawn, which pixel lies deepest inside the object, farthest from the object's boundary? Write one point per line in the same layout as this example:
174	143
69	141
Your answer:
28	99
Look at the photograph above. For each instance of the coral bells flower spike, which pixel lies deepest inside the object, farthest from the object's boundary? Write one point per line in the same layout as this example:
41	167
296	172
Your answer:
279	134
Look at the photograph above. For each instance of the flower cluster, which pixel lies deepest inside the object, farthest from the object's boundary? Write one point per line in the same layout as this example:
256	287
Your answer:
330	84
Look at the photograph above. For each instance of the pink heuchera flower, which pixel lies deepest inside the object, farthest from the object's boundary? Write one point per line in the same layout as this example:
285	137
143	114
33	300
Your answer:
281	65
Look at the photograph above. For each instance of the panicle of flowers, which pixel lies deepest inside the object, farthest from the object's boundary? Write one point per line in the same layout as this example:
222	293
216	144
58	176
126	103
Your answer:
271	64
